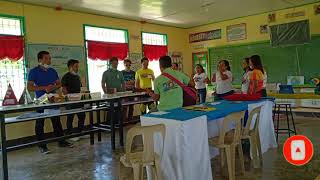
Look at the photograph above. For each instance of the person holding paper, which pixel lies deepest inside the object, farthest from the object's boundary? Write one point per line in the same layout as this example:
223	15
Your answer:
71	83
43	79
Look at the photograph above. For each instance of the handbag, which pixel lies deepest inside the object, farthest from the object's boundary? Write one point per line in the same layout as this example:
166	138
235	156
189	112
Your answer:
189	94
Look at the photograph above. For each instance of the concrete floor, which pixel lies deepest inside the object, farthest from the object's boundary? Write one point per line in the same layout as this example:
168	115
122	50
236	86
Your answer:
99	162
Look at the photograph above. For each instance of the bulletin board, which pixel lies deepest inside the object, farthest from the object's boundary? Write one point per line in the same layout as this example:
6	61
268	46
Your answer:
60	55
135	59
176	57
200	58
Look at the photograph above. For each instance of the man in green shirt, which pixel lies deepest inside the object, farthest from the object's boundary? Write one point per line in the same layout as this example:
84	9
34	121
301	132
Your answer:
168	93
112	78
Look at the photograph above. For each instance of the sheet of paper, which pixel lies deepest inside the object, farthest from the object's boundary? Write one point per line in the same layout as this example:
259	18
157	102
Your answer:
160	113
215	103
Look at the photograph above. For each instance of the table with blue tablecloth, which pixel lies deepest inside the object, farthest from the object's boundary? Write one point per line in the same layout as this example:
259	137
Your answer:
186	152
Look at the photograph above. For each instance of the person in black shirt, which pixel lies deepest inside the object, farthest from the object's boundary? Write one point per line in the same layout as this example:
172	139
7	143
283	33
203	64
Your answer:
71	83
129	78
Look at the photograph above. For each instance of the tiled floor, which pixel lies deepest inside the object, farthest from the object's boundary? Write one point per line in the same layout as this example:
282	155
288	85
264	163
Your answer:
99	162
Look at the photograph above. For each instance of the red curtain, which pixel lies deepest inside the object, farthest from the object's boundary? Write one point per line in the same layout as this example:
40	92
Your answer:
106	50
153	52
11	47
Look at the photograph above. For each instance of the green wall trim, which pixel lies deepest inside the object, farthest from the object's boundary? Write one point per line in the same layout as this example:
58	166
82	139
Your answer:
85	54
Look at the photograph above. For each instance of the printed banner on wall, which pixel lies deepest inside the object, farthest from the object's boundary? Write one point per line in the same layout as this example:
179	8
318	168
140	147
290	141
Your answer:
60	55
205	36
236	32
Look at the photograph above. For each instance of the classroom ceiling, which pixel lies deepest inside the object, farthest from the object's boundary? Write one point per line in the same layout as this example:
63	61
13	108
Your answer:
179	13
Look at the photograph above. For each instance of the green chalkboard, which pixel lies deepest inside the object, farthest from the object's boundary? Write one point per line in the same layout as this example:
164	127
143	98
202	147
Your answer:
309	59
279	62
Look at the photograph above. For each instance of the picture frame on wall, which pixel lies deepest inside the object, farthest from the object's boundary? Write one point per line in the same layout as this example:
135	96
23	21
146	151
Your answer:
236	32
176	57
200	58
317	9
264	29
272	17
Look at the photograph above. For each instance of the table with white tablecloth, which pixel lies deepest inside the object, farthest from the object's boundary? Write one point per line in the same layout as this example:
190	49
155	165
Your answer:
186	153
266	127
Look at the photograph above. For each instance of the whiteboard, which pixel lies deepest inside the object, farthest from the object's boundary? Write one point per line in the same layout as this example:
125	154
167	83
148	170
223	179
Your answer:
60	55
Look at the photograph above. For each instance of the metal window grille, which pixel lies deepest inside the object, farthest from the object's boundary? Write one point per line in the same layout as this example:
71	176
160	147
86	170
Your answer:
96	68
11	71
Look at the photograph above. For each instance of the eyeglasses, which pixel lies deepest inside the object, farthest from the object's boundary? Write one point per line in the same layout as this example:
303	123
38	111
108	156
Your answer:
128	65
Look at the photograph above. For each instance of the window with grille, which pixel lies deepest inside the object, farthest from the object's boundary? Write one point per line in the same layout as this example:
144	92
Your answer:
154	39
97	67
12	72
10	26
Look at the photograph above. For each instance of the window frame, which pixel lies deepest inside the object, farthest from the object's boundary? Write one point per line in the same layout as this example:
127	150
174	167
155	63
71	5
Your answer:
85	43
165	37
22	23
24	35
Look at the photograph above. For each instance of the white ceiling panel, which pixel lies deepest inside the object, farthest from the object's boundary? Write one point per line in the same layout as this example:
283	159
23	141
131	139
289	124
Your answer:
179	13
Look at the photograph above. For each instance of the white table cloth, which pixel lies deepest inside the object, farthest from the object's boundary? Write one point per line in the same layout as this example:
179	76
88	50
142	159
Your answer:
186	153
266	128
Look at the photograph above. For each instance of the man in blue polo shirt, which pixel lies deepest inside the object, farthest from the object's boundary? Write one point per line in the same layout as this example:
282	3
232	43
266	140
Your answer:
43	79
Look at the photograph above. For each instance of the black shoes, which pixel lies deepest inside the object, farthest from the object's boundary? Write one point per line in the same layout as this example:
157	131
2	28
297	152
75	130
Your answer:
44	150
65	144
